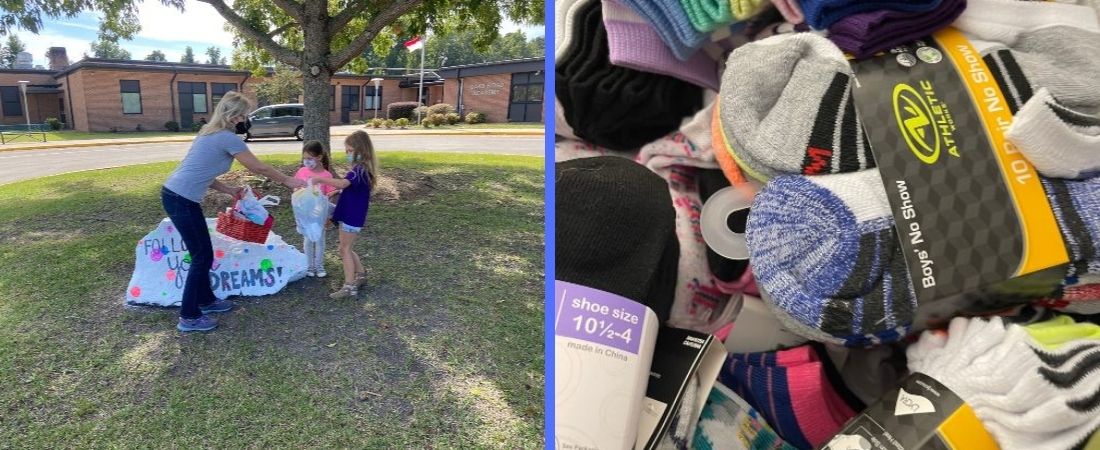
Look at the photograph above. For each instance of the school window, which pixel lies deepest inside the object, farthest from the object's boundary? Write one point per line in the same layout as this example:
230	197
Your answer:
332	98
199	101
527	87
131	96
9	96
218	90
370	99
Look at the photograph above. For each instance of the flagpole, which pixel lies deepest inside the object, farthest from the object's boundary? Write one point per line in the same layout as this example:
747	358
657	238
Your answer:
420	90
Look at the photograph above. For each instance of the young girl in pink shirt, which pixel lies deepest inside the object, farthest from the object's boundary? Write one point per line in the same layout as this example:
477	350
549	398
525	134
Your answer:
315	164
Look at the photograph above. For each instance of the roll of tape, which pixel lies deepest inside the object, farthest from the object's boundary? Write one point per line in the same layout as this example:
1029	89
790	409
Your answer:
719	212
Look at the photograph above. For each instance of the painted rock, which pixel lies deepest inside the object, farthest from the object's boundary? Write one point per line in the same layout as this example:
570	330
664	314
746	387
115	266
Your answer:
240	268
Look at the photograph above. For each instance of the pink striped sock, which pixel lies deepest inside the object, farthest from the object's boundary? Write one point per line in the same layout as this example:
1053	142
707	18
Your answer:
635	44
790	10
809	391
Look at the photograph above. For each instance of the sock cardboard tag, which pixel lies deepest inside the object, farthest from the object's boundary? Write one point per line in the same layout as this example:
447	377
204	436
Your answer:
919	414
970	212
678	357
604	349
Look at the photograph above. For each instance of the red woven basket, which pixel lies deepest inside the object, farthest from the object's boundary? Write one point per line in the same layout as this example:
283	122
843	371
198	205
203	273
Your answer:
244	230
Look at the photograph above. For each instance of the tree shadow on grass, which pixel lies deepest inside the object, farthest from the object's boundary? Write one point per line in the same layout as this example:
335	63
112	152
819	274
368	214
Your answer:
443	349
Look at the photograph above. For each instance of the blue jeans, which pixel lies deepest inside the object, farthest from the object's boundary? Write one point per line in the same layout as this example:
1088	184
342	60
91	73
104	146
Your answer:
188	218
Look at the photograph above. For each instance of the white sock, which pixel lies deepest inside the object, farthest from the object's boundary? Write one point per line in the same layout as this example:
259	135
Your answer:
1014	393
1059	142
1003	20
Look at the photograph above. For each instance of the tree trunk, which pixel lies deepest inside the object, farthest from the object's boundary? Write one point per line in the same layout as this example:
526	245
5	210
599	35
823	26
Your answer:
316	87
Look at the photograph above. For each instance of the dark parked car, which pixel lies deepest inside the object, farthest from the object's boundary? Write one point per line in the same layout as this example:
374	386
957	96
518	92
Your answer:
276	121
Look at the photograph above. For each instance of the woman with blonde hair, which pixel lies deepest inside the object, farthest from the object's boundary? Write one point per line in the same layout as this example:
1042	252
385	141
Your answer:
211	154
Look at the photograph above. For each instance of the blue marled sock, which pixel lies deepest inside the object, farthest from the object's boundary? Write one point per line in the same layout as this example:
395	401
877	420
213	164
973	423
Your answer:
825	251
672	24
1076	206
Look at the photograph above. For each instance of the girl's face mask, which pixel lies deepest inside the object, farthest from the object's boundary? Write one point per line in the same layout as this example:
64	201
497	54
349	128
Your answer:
309	162
351	158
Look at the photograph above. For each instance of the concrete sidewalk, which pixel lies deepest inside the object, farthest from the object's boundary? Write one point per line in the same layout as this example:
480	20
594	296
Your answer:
335	131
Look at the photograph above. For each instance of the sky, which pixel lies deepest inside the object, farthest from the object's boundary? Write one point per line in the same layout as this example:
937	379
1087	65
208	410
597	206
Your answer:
162	28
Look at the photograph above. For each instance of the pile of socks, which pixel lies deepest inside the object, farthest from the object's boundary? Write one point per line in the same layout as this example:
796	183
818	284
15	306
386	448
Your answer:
664	103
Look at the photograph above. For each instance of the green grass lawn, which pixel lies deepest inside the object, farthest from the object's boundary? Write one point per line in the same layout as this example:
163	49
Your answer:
477	126
443	349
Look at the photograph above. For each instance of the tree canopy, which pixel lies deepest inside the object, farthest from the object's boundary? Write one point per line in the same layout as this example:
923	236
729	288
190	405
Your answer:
11	51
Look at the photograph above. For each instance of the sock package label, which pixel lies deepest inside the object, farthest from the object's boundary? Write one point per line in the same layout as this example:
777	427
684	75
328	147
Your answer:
603	352
969	210
920	414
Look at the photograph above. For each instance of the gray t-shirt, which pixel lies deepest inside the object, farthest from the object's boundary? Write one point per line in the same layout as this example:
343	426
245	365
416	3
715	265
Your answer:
210	155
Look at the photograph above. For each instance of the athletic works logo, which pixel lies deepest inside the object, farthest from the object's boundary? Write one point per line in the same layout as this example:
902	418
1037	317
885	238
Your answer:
924	122
912	404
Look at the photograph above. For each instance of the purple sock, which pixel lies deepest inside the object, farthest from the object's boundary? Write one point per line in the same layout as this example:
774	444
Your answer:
635	44
865	34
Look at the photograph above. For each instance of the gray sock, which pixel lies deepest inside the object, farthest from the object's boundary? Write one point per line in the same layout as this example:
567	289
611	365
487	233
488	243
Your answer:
786	108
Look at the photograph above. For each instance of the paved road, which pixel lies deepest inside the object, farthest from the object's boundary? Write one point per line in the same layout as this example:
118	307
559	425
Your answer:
27	164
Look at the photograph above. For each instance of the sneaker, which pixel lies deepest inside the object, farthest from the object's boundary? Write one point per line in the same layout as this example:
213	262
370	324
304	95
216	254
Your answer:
219	306
347	291
360	279
311	273
203	323
321	273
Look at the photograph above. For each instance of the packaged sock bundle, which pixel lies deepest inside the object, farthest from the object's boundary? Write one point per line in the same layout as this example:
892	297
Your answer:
786	103
707	15
825	250
785	107
623	241
610	106
821	14
1027	395
673	25
634	44
867	33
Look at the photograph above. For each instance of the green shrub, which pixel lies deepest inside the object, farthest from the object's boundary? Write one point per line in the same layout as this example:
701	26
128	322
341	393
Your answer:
375	123
475	117
172	125
402	122
388	123
54	123
453	118
196	126
399	110
438	119
441	108
426	123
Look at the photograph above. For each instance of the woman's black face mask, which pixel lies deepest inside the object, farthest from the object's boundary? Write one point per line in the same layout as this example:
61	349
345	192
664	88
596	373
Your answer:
242	127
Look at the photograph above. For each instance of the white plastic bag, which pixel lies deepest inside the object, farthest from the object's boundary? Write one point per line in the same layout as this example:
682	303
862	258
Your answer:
253	208
310	211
